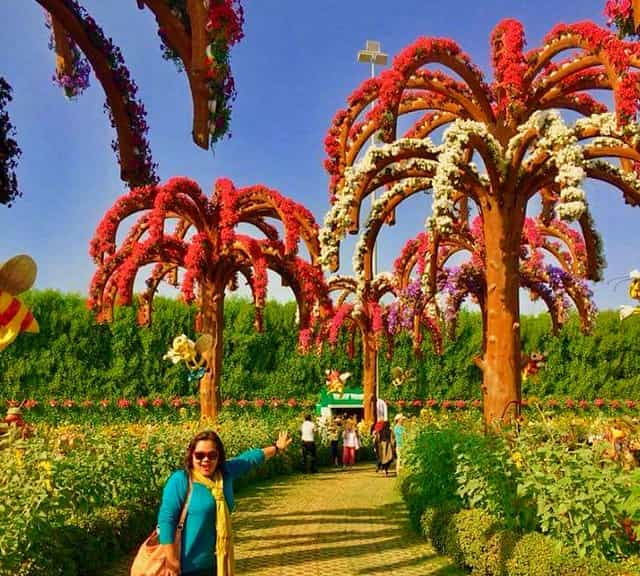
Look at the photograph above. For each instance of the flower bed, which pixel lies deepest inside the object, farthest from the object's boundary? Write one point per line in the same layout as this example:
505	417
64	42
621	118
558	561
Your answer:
488	501
73	497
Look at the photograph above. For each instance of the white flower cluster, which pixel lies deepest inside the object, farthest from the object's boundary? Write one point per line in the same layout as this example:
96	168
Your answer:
607	125
447	177
631	179
559	143
338	220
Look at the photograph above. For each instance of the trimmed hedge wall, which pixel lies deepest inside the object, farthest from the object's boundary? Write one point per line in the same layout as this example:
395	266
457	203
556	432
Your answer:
73	357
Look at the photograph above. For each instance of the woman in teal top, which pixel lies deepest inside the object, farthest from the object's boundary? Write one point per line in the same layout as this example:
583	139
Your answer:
205	455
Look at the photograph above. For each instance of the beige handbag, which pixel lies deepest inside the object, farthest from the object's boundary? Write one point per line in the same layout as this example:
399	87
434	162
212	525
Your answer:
150	559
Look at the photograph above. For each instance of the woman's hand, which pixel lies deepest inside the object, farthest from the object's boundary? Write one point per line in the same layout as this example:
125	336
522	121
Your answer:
283	441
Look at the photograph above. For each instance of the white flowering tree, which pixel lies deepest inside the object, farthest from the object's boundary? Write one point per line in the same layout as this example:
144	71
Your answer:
503	144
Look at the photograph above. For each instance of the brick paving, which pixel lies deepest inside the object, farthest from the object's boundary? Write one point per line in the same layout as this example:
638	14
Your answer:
349	523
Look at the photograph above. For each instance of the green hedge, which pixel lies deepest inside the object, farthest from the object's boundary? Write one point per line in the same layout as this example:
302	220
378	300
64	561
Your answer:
73	357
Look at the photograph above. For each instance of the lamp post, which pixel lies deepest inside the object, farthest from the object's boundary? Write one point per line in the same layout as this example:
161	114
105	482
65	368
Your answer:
373	55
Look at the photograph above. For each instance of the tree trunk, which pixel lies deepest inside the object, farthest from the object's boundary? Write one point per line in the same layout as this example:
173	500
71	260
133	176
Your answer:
212	323
369	376
501	360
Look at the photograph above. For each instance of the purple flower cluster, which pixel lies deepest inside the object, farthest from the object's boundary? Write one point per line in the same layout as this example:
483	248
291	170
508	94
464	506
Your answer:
9	149
144	170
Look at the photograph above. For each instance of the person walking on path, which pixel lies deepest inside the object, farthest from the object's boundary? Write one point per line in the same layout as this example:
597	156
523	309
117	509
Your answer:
350	444
308	433
386	447
375	432
399	431
205	487
334	435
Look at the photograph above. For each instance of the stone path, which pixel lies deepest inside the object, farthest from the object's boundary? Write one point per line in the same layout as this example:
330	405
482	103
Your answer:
332	523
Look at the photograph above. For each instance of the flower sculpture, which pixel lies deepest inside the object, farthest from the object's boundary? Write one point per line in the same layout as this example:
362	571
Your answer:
624	15
80	44
524	147
335	381
180	229
197	36
193	354
9	149
17	275
634	292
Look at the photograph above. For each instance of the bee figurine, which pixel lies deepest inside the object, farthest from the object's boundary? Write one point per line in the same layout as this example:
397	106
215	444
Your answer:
335	381
193	354
17	275
634	292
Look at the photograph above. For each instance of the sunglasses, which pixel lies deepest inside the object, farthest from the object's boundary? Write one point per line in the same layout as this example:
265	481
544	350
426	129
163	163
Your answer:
202	455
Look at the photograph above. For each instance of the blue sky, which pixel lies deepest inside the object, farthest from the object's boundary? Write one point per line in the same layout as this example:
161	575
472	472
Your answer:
294	69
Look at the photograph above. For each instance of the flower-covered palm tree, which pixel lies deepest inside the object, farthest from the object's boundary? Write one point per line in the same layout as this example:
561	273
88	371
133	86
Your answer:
503	144
179	229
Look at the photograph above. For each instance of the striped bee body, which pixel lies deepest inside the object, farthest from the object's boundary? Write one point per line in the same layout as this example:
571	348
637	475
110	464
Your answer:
15	317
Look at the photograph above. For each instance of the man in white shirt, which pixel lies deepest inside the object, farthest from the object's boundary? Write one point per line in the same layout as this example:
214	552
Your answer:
308	443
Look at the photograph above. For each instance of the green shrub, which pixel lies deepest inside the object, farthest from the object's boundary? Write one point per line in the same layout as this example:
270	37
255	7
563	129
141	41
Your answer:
534	555
467	535
434	522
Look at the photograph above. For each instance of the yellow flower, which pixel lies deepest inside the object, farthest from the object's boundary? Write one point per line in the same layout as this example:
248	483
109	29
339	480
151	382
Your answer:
19	458
45	466
516	457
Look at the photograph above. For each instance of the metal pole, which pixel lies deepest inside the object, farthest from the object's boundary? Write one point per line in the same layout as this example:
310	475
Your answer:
373	55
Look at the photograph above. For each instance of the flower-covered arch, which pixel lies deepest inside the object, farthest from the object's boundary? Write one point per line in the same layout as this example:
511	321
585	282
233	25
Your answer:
197	36
179	229
503	144
76	36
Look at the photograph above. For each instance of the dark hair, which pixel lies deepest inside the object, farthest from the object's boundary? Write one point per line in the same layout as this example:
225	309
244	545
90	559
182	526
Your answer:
204	435
307	417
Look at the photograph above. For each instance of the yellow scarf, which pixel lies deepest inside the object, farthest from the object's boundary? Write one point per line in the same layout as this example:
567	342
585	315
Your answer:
224	531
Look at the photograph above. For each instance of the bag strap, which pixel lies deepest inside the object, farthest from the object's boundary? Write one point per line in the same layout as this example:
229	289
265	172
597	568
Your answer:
185	506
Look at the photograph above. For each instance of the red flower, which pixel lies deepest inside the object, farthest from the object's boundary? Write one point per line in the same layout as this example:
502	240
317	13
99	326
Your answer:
631	404
68	403
31	403
599	402
275	402
446	404
258	402
292	402
552	403
583	404
416	403
242	402
142	402
87	403
157	402
53	402
13	403
192	401
401	403
124	403
176	402
476	403
569	403
431	403
104	402
615	404
460	404
228	402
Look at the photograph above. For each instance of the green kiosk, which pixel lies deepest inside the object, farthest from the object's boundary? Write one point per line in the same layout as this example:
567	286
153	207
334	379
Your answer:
350	402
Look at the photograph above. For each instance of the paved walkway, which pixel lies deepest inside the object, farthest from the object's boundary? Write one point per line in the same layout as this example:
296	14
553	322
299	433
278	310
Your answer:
348	523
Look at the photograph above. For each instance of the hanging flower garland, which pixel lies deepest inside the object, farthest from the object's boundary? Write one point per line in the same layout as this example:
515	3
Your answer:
77	80
619	14
9	149
144	170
